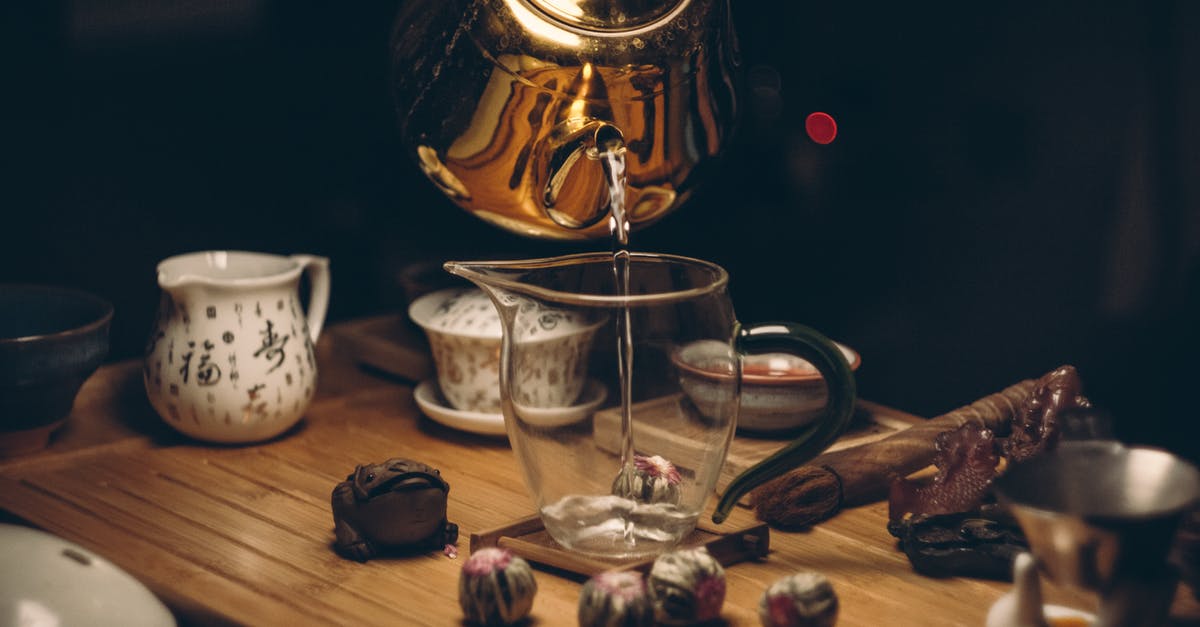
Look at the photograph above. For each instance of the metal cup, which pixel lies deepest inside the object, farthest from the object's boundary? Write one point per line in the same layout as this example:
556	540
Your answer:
1101	516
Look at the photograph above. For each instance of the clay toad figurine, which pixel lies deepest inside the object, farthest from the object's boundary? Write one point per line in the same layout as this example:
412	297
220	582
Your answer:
397	504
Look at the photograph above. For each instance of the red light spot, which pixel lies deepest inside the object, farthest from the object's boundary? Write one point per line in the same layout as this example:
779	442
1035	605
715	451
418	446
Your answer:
820	127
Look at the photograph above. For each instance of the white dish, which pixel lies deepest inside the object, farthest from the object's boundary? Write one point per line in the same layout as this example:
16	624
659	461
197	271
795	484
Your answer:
47	580
590	398
429	398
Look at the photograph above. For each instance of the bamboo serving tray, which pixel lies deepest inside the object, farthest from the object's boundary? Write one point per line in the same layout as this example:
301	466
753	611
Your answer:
243	534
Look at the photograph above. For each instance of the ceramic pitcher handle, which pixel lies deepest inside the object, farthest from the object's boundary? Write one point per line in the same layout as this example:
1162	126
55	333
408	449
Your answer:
317	269
818	350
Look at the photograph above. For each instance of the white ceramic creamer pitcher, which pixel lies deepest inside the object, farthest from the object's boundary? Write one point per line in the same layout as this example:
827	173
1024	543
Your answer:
230	358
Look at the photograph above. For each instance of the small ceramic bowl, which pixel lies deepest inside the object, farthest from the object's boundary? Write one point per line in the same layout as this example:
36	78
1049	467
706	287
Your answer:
465	331
780	392
51	340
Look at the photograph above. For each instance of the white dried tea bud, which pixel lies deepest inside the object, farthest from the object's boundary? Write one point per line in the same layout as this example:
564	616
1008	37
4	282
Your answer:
496	587
616	599
650	479
805	599
688	587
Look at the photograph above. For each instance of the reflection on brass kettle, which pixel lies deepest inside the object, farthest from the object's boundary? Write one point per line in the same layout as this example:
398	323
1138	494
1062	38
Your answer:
501	102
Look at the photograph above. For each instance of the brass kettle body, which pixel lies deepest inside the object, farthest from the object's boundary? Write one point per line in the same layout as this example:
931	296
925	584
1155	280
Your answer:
502	102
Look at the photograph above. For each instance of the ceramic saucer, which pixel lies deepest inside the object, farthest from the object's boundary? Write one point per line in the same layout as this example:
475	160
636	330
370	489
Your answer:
590	398
429	398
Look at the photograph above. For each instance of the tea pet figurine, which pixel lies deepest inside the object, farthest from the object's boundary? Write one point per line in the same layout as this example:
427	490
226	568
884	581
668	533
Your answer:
399	504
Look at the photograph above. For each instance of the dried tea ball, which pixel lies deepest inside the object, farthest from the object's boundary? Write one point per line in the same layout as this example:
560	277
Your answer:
616	599
650	479
688	587
805	599
496	587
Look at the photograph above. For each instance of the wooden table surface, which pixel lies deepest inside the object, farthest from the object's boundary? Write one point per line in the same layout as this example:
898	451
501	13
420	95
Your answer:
244	534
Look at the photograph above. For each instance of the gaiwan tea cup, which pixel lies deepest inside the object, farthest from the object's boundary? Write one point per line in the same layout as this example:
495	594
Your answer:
780	392
465	332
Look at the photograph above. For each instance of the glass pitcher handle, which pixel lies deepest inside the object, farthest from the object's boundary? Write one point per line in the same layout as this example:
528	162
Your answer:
317	269
812	346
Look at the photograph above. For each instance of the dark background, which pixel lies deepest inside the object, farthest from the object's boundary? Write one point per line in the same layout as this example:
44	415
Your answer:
1012	188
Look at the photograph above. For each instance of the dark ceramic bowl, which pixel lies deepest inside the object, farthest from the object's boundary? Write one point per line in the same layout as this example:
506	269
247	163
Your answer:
51	340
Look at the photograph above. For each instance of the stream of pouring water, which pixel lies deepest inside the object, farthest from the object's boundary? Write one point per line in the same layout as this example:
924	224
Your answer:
612	159
627	522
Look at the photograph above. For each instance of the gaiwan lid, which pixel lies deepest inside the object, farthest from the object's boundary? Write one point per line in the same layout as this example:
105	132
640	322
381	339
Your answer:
469	312
458	311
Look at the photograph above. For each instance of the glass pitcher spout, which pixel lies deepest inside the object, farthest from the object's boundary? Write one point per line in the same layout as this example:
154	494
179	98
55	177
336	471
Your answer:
555	278
487	273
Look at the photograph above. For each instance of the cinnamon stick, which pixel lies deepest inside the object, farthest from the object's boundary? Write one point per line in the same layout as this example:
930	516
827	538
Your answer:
861	474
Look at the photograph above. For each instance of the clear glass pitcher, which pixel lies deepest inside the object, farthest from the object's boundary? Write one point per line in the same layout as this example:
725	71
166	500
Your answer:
630	476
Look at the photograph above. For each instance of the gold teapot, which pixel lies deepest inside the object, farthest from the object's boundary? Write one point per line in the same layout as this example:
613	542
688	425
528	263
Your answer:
505	104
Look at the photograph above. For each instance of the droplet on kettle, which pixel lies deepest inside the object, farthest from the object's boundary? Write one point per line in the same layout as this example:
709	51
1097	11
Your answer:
821	127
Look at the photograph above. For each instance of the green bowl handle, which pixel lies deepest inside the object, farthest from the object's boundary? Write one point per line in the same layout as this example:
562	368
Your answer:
818	350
